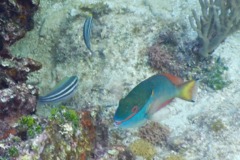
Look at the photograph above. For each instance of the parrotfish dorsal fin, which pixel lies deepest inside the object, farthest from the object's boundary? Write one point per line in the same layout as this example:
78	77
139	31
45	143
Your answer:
174	79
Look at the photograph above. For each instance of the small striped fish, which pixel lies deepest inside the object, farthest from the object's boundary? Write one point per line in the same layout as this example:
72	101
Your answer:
63	90
87	32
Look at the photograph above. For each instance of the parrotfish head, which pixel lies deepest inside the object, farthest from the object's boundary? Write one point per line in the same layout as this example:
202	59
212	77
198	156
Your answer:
125	111
130	109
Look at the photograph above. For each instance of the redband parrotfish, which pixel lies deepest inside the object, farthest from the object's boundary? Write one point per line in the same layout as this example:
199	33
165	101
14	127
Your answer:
62	91
150	96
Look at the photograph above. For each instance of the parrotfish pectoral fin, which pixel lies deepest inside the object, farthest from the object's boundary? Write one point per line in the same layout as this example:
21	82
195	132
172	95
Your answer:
154	107
188	90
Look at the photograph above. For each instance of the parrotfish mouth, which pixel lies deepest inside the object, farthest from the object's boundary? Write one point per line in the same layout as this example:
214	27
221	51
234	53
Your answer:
117	123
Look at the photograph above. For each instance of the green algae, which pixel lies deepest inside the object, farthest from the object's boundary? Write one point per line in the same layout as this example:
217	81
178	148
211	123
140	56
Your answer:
30	125
13	151
63	115
215	73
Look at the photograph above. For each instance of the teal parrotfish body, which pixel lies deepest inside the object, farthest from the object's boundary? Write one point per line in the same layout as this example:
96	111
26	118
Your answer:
150	96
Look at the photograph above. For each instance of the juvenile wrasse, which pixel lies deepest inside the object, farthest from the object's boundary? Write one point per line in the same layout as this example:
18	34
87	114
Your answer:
63	91
87	27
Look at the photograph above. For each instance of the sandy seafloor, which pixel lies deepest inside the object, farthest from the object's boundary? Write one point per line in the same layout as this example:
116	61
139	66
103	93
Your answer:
121	62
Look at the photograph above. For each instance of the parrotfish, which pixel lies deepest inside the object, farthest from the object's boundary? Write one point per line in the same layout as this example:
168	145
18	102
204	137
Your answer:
63	91
150	96
87	32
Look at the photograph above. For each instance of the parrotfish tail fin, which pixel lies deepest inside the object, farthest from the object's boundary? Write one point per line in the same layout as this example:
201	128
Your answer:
188	90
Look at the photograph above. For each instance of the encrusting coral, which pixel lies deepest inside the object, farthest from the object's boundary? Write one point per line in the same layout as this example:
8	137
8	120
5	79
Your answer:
143	148
219	19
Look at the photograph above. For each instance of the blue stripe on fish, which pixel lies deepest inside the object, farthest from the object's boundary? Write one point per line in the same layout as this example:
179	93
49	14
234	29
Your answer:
87	32
64	91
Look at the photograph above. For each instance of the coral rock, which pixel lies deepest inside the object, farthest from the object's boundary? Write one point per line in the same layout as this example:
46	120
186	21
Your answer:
6	130
17	100
16	20
16	97
17	68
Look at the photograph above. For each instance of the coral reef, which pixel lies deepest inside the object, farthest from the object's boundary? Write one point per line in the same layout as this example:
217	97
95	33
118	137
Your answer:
63	142
17	97
154	133
219	19
16	19
6	130
143	148
17	68
67	134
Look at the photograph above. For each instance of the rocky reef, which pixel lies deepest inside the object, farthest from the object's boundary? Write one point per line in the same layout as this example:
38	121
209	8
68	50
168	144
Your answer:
17	98
16	19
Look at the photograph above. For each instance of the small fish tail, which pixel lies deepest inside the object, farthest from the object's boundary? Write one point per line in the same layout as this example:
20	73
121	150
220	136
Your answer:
188	90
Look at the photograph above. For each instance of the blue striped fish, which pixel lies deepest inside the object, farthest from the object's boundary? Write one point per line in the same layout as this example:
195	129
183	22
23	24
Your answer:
87	32
63	90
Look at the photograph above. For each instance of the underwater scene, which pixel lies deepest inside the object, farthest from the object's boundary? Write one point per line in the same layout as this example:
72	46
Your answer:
119	80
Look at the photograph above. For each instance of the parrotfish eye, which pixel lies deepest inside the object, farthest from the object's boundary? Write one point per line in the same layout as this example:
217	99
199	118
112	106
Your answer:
134	109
